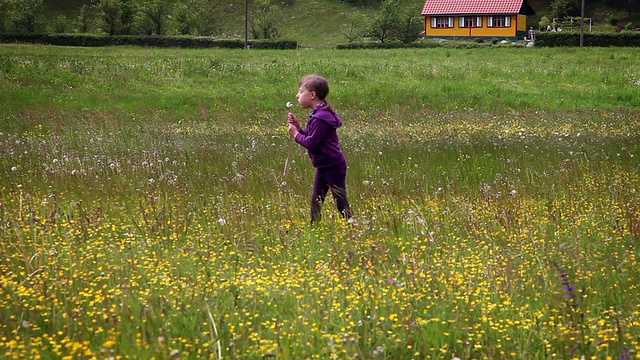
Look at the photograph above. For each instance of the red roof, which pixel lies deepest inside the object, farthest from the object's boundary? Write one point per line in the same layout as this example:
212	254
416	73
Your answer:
475	7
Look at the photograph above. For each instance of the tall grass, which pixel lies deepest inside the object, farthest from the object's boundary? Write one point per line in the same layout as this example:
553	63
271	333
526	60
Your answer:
144	211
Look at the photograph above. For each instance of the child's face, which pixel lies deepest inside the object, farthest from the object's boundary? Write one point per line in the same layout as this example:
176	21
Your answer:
306	97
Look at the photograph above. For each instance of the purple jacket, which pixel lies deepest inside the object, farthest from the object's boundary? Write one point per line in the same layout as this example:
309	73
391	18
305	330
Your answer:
320	138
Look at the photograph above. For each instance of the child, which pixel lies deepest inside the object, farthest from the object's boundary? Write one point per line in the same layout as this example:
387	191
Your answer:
320	139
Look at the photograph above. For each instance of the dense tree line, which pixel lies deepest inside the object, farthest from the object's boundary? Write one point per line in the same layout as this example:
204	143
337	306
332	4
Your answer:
566	8
568	12
197	17
119	17
389	21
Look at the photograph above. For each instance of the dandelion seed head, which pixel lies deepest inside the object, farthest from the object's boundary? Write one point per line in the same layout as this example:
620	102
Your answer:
174	354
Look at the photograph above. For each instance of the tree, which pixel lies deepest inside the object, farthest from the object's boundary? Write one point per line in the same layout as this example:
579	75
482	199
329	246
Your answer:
110	15
409	28
184	20
564	8
128	16
117	16
632	5
544	23
5	8
199	17
385	20
26	15
263	20
155	16
59	24
84	19
355	26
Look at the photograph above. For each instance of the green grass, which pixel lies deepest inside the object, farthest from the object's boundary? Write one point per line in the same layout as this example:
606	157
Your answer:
183	81
316	23
144	211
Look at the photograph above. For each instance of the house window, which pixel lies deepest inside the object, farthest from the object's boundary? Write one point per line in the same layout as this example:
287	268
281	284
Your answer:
499	21
470	21
442	22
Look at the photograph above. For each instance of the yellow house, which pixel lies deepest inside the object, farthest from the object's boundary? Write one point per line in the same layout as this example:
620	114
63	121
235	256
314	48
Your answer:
471	19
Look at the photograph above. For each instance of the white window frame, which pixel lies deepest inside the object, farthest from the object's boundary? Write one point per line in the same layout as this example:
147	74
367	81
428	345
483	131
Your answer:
506	21
474	21
441	22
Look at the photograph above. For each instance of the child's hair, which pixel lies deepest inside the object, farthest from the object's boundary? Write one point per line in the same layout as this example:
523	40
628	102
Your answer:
318	84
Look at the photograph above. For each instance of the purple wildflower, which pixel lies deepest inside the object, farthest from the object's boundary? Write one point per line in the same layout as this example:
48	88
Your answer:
569	290
625	354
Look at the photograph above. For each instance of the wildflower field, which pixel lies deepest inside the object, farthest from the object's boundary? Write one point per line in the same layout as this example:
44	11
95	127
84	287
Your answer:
145	213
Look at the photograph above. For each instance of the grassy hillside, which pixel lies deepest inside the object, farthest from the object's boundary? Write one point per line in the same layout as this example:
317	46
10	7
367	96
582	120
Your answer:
65	7
314	23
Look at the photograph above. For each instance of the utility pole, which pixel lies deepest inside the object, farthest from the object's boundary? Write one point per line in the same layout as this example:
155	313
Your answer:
582	25
246	23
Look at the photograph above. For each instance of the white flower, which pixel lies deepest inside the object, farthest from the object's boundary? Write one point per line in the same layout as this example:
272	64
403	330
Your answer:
289	104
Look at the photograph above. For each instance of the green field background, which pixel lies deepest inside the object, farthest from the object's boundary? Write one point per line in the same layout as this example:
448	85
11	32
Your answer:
145	210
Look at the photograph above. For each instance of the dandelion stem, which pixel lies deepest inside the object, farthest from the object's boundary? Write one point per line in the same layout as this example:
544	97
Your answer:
215	330
286	163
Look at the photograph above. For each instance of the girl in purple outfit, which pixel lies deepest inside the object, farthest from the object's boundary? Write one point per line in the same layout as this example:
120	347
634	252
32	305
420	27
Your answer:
320	139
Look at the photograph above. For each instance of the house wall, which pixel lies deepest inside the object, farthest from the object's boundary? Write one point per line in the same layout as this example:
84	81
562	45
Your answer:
517	30
522	23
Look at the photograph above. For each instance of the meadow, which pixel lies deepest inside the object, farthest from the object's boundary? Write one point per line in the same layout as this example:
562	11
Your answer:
145	213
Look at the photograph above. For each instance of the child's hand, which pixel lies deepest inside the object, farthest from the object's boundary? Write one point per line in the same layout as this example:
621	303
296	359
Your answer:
293	120
293	130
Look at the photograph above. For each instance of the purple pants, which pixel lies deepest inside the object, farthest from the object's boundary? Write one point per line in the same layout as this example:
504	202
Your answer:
334	179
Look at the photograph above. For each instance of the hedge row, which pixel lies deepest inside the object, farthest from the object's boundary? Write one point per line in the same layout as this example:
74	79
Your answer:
152	41
622	39
423	44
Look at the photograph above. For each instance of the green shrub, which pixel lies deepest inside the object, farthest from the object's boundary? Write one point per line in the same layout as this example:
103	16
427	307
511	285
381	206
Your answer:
151	41
624	39
59	24
613	21
389	45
